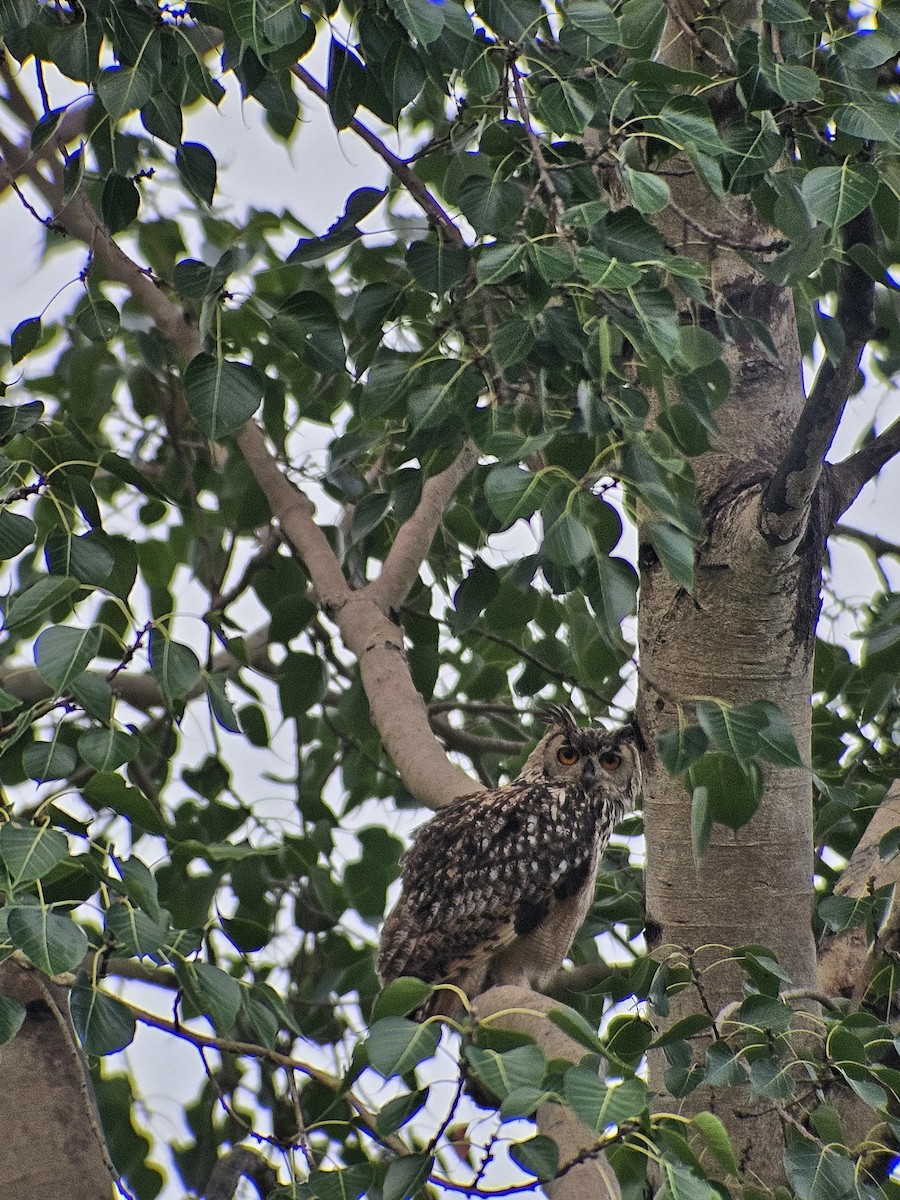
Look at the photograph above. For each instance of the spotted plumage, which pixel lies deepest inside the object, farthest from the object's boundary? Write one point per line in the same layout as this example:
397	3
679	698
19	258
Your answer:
497	884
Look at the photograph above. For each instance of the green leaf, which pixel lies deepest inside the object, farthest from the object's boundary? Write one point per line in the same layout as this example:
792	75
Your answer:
97	318
134	931
819	1174
597	1104
119	202
492	205
139	883
593	17
406	1176
648	193
102	1022
302	683
604	272
401	997
777	742
701	823
734	730
437	267
268	24
395	1114
512	492
512	19
16	533
107	749
162	118
25	337
44	761
15	419
219	703
86	556
345	1183
197	168
29	852
38	600
539	1156
175	667
196	280
734	789
473	595
505	1071
346	84
873	120
397	1044
345	229
835	195
680	748
675	550
566	107
567	541
54	943
12	1015
655	310
424	22
109	792
218	993
61	653
221	395
123	89
687	121
577	1028
715	1135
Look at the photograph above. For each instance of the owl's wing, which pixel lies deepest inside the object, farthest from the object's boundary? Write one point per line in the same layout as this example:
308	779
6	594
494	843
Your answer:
479	874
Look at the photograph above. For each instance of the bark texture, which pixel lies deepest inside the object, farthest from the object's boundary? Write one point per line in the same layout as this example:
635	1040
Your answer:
52	1145
745	634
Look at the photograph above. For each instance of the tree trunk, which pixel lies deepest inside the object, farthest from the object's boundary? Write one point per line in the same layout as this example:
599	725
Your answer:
745	634
47	1110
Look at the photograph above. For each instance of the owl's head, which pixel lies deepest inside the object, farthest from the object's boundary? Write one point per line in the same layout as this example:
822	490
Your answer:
598	760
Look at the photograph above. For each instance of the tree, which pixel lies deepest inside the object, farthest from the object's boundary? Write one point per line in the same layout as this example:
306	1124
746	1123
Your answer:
584	294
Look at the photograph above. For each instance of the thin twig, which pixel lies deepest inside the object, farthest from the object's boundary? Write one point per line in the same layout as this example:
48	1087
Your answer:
398	168
537	149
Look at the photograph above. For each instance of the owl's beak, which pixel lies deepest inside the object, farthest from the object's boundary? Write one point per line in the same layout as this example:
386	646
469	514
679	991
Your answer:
588	774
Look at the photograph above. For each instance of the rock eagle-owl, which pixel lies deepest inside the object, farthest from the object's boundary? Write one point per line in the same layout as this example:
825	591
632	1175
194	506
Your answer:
497	884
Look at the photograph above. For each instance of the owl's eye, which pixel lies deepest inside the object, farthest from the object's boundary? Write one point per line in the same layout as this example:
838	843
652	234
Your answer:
567	755
611	760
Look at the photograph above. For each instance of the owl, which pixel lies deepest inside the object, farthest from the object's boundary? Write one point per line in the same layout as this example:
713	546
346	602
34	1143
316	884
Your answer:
497	884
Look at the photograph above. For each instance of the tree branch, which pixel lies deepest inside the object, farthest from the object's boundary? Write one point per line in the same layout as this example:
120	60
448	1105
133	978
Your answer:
240	1162
846	961
787	499
848	478
205	1041
879	546
142	691
584	1171
398	711
414	537
398	168
472	744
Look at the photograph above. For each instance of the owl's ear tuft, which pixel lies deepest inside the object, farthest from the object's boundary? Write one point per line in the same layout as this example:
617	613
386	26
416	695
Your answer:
556	714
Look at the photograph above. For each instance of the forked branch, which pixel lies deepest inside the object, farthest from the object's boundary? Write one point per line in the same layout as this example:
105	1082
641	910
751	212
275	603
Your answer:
788	497
398	711
849	477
